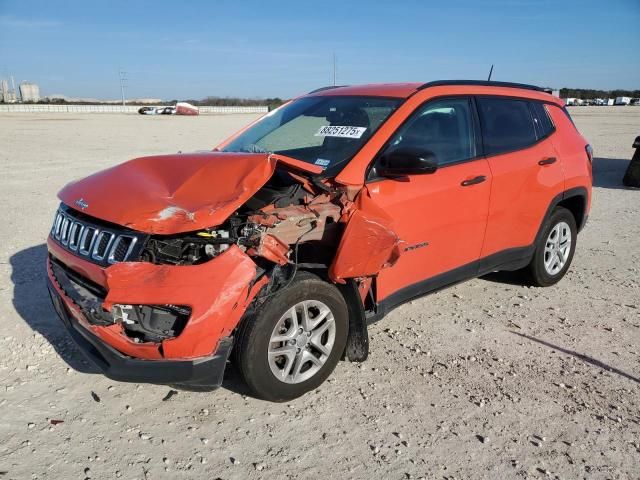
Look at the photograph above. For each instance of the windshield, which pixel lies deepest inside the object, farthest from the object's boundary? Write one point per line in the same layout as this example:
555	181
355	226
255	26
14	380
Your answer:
326	130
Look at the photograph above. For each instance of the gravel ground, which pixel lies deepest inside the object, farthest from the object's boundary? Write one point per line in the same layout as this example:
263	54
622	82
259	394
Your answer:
488	379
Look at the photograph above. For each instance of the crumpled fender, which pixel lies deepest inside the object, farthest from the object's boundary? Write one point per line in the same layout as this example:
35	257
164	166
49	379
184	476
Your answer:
368	243
218	292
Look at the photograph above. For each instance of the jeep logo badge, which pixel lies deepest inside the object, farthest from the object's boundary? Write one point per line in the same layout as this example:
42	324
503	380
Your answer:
82	204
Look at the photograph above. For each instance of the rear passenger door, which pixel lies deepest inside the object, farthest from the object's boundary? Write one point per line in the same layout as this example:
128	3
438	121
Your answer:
526	172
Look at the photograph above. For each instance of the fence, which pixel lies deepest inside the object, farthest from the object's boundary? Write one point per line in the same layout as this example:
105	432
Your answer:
38	108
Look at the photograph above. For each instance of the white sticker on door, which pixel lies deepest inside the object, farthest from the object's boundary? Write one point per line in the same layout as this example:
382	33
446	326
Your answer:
340	131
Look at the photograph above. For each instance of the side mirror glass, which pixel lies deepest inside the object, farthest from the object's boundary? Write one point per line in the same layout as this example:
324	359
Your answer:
636	143
407	161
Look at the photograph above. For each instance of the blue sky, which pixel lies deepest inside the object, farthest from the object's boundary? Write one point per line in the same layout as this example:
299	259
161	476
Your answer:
248	48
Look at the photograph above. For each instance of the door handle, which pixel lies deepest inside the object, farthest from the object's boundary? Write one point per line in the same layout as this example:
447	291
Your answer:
547	161
473	181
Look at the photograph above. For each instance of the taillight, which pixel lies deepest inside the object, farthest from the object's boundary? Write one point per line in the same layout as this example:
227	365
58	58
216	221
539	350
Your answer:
589	150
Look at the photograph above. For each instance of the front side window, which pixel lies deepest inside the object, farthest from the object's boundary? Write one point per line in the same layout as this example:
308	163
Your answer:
506	124
324	130
443	127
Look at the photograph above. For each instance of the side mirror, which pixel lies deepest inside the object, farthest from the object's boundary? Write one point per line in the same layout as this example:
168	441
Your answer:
636	144
407	161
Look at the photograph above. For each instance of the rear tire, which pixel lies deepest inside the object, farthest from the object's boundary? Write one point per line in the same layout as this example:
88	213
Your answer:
554	249
293	342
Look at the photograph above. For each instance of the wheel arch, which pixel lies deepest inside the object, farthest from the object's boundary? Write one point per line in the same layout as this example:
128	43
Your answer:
575	200
357	349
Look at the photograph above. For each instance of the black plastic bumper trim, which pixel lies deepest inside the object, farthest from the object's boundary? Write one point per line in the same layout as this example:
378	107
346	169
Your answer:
201	372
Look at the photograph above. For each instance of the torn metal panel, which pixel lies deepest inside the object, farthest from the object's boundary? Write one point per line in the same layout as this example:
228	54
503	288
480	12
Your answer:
271	248
217	291
368	243
312	222
170	194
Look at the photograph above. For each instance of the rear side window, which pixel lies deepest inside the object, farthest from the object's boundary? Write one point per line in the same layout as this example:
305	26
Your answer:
541	119
506	123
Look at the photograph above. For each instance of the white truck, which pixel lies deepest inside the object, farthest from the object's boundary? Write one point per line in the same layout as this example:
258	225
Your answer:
622	101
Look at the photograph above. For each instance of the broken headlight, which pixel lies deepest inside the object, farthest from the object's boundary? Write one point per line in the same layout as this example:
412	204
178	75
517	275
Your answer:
190	249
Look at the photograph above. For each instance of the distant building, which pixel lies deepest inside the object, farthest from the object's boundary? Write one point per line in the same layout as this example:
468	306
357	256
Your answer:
29	92
7	95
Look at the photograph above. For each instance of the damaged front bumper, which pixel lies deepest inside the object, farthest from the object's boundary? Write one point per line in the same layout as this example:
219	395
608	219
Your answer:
202	372
217	294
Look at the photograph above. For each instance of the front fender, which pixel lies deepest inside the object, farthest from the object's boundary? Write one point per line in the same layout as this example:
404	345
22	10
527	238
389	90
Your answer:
217	291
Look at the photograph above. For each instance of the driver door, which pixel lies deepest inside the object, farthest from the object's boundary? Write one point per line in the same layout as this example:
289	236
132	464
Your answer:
441	216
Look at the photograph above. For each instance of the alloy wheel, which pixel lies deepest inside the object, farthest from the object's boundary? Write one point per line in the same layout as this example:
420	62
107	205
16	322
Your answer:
301	341
557	248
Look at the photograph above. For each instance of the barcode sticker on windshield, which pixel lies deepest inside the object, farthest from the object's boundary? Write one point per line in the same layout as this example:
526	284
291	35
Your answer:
340	131
322	162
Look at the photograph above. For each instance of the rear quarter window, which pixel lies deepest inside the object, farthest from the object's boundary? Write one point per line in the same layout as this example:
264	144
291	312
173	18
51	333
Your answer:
542	121
506	124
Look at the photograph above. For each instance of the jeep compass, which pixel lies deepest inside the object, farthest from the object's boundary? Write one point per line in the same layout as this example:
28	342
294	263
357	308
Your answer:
279	247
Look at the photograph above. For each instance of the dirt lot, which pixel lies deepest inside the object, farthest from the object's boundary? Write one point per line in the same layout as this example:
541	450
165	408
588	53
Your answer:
489	379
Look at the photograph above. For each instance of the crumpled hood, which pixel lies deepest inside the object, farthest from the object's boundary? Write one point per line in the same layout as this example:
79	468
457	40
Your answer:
169	194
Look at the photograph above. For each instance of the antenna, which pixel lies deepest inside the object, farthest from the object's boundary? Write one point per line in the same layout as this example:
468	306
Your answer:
490	72
123	79
334	69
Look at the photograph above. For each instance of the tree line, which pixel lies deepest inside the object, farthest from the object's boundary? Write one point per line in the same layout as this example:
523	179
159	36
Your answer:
589	94
205	102
235	102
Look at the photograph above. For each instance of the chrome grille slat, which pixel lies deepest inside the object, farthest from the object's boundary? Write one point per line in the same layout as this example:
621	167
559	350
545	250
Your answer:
56	225
99	252
74	235
101	245
112	252
64	231
85	248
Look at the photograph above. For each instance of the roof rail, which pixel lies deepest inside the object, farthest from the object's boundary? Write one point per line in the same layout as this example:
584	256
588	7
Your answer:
321	89
484	83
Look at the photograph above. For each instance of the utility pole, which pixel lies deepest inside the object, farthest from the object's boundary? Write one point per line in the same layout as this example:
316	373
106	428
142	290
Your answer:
334	69
123	80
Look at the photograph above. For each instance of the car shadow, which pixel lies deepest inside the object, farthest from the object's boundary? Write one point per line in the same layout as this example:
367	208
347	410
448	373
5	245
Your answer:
608	172
31	301
585	358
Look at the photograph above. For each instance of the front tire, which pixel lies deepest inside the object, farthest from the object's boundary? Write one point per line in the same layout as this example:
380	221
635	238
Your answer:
294	341
554	249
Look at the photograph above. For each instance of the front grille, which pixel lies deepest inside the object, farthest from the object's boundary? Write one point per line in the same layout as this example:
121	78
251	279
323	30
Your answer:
93	240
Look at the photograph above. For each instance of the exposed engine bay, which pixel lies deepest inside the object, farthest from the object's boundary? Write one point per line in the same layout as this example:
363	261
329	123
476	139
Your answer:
286	216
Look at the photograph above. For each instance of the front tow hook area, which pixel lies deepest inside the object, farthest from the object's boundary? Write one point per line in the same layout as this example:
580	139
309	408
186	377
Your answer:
205	372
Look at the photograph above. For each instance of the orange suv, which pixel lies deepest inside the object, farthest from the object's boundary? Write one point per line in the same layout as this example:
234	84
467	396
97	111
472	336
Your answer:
277	249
